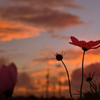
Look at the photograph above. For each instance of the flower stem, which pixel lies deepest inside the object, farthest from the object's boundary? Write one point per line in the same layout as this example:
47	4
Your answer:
68	80
82	76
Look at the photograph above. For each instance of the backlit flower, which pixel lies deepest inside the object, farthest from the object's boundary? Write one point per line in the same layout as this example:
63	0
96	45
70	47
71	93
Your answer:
85	45
8	79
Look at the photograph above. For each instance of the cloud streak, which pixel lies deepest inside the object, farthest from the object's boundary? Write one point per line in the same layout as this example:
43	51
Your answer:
53	19
35	16
48	3
60	37
45	72
10	30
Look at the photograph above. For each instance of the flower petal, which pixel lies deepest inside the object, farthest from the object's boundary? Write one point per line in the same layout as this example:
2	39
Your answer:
95	47
91	43
84	44
74	40
4	79
8	77
96	43
12	70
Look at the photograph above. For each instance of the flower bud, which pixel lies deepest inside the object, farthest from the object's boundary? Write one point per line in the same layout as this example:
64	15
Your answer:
59	57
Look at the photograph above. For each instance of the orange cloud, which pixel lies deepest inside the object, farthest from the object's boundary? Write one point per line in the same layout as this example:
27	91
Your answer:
72	58
10	30
73	64
41	83
26	21
45	72
22	89
39	73
47	56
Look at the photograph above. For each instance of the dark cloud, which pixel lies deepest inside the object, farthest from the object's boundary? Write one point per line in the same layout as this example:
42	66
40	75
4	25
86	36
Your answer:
53	80
76	76
58	65
24	81
54	19
42	13
62	74
30	17
94	68
65	83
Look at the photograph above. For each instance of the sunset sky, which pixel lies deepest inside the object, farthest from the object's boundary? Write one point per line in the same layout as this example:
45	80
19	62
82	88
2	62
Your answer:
33	31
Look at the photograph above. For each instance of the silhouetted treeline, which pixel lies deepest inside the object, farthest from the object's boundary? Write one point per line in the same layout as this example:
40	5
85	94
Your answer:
86	96
33	98
36	98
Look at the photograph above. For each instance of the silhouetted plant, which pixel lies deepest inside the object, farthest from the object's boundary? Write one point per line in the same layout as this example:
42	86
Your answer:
95	87
89	79
91	96
85	46
47	84
59	57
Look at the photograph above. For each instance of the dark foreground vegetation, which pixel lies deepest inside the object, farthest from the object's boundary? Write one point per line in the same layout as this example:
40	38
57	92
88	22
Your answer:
86	96
33	98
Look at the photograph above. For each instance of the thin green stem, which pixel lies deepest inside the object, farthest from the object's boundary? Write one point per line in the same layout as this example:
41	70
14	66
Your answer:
82	76
68	80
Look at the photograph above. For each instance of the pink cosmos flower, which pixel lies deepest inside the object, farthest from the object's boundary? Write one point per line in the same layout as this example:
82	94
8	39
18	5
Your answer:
8	79
85	45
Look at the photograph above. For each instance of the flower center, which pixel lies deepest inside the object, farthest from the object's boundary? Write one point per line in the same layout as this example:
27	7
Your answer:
85	49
